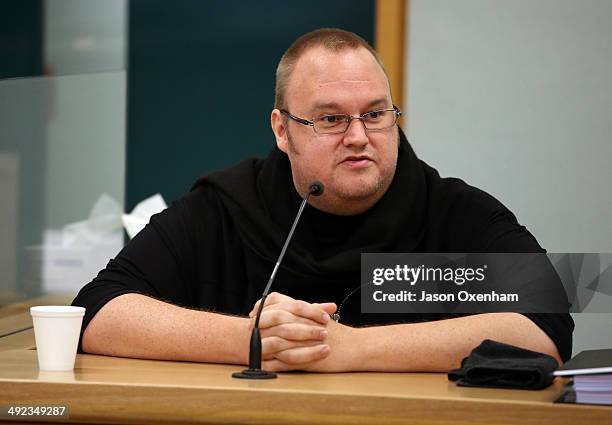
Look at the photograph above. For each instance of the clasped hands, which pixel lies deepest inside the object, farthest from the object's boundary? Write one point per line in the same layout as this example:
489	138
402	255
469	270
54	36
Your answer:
297	335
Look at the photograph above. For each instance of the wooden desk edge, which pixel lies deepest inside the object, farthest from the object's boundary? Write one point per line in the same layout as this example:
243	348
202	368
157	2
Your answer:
23	306
141	403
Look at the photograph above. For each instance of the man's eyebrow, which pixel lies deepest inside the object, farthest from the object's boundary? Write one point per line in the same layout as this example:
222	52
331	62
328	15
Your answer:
326	105
378	102
336	107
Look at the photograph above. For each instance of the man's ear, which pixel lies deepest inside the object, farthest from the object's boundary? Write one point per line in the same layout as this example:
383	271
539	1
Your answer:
279	127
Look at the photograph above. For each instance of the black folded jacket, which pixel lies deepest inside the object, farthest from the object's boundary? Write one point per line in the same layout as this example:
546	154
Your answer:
497	365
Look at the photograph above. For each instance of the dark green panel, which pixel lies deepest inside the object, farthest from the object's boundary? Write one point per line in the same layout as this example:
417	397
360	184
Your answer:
192	63
21	38
21	55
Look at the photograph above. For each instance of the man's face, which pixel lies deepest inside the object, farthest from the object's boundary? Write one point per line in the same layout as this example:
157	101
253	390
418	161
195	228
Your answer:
357	166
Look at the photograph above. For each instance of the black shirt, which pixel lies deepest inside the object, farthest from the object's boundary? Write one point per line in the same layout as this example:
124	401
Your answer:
216	247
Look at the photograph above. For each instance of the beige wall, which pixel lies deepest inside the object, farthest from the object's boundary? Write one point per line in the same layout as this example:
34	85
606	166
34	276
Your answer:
515	97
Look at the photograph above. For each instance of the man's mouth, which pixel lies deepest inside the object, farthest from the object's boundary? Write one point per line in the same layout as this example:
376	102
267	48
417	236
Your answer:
357	161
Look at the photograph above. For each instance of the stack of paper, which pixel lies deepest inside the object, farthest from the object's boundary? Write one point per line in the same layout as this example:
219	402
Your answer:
592	372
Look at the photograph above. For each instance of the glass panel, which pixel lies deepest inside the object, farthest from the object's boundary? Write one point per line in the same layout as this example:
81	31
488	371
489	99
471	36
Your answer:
61	37
62	153
62	143
84	36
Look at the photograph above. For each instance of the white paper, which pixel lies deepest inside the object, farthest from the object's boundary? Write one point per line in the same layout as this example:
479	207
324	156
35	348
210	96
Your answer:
72	256
141	214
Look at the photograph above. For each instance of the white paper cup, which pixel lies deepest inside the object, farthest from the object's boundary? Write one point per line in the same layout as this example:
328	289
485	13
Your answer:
57	329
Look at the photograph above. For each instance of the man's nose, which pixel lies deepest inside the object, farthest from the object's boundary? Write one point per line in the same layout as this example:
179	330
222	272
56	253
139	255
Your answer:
355	134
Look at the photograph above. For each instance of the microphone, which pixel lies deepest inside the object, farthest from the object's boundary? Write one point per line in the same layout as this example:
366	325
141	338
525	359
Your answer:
255	371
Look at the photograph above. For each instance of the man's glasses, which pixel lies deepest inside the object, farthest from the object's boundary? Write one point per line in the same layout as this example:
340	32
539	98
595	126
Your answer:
378	120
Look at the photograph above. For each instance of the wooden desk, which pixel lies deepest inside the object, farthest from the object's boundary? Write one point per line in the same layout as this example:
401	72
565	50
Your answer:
16	329
23	306
114	390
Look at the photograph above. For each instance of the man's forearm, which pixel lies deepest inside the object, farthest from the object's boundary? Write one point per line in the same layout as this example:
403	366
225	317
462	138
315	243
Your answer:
134	325
440	346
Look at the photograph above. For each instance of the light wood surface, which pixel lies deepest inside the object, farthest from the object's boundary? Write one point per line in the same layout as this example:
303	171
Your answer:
16	323
24	305
114	390
389	42
24	339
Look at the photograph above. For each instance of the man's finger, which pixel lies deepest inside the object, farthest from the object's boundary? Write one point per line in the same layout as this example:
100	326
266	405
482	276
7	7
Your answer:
295	332
275	317
306	310
329	308
271	299
301	355
275	365
274	344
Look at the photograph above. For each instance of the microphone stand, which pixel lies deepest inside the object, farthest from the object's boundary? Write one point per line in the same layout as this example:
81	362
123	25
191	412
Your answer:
255	371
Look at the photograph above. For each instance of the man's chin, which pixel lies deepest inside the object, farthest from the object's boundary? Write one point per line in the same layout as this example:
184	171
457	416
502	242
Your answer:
358	191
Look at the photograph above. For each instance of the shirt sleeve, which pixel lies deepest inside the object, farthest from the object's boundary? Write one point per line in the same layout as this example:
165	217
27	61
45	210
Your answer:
158	262
503	233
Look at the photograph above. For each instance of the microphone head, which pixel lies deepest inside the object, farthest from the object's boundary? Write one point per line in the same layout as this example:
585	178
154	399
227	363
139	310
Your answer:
316	188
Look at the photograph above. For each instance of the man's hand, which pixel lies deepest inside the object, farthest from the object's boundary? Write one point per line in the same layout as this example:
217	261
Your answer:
340	348
297	335
293	330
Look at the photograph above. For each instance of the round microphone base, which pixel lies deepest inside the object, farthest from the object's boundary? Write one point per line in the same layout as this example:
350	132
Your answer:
254	374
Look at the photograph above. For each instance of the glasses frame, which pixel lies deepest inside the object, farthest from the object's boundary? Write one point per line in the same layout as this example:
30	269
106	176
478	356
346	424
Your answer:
361	118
